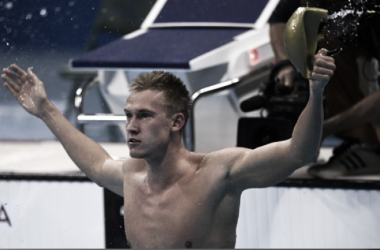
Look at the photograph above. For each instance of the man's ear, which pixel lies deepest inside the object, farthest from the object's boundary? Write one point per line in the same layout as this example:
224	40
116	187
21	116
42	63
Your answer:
178	122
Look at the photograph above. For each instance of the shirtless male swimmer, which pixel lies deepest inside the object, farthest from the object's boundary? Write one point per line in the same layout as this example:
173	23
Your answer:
174	198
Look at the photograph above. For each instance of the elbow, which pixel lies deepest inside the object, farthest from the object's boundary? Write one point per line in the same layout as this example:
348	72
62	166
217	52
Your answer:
304	156
97	181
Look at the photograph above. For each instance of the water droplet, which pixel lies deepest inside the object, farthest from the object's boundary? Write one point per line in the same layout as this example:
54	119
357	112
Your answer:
7	44
57	9
28	16
9	5
71	4
43	12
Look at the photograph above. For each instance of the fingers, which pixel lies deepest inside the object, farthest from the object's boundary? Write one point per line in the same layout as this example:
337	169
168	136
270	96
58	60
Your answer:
13	92
31	76
18	75
320	77
285	76
10	82
288	81
321	58
15	78
323	65
322	52
323	71
19	71
324	61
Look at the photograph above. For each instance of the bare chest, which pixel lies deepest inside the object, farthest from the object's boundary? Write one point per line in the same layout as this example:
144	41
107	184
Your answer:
181	216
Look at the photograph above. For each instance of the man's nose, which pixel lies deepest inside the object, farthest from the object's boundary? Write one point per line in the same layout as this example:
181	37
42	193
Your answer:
132	126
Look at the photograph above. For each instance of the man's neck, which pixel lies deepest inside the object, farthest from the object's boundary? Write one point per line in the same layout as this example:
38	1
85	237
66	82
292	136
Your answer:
163	172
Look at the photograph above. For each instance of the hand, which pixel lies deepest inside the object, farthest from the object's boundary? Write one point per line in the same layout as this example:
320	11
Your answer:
26	88
323	70
285	76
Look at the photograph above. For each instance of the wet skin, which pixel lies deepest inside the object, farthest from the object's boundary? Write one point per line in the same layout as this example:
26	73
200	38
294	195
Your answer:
188	201
174	198
199	208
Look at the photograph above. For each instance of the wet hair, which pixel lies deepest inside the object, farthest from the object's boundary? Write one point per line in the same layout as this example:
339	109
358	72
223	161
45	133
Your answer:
177	97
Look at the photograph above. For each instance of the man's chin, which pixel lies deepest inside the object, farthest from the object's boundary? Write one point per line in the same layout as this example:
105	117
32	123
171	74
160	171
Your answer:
135	155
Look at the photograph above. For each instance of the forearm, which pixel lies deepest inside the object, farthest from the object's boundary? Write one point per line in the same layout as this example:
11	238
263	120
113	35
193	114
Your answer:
276	34
88	155
365	111
307	132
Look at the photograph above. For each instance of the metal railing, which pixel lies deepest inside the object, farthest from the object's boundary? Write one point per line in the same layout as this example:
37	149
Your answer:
250	77
188	139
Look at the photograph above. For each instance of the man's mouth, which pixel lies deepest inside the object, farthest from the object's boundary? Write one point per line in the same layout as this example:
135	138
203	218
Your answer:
132	140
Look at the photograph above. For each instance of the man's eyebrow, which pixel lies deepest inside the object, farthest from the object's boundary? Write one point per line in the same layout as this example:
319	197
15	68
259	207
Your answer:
145	110
140	111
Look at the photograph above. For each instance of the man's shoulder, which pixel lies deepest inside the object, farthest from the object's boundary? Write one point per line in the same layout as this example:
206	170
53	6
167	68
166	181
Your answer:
224	156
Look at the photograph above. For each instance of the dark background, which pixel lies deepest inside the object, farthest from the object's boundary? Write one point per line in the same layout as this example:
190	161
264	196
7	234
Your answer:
45	35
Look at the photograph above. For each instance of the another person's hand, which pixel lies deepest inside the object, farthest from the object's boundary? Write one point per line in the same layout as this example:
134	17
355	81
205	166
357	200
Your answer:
285	77
323	70
26	88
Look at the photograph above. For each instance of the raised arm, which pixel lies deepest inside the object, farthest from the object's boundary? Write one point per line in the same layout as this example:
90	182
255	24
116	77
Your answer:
89	156
272	163
286	73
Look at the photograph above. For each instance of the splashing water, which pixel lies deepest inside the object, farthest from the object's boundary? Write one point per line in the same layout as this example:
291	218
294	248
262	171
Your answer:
9	5
43	12
343	13
342	24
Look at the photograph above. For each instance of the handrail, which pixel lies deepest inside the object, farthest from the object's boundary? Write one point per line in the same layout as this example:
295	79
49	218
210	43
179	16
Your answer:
101	118
96	118
212	89
189	141
81	91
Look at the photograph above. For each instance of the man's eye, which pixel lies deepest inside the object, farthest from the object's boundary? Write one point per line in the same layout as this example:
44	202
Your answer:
145	115
129	116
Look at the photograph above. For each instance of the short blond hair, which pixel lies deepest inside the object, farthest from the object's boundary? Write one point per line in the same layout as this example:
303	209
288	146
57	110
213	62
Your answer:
177	97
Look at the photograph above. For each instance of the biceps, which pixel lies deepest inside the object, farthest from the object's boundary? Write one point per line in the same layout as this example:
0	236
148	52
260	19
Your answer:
264	166
112	176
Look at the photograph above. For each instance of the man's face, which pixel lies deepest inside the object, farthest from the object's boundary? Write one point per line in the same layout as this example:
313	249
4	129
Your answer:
148	127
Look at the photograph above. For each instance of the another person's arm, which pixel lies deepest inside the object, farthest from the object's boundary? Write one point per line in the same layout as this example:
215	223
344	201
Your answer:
272	163
276	34
89	156
365	111
278	19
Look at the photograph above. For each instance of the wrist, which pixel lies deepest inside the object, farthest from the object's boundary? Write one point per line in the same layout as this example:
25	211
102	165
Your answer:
316	92
316	87
46	108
